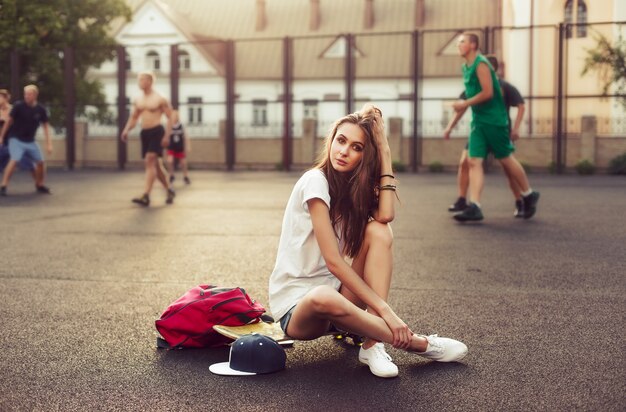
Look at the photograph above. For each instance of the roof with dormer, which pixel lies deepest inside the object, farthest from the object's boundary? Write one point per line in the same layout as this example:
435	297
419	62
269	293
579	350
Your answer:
383	50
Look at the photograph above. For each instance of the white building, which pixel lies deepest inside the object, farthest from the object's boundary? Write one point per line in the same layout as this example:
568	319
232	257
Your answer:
382	49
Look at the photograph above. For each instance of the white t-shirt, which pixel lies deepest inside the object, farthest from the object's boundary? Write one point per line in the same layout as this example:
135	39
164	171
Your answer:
300	265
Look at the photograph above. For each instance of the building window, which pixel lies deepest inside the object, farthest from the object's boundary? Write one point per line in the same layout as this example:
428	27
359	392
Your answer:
153	62
184	60
581	19
337	49
569	18
310	109
194	110
259	113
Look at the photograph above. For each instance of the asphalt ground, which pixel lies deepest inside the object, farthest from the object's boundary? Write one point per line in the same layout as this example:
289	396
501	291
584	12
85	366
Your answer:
84	273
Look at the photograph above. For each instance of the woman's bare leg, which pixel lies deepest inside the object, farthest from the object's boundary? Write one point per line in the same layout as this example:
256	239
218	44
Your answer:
374	264
323	305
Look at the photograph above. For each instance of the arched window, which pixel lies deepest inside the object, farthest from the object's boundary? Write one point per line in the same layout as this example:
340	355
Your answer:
153	61
568	18
581	19
184	60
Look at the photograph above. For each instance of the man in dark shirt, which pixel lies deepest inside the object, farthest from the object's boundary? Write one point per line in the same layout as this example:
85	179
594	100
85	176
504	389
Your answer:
23	122
5	109
512	98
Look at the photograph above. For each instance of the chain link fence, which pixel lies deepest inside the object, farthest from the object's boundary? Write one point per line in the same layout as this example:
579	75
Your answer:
267	103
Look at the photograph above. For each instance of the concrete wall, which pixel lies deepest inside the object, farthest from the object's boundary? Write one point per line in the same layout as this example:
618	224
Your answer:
266	153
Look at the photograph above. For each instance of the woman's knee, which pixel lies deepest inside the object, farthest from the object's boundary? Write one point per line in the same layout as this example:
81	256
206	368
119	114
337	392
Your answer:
325	300
377	232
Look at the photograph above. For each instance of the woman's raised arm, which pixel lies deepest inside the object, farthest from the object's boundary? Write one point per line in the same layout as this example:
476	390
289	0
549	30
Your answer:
387	182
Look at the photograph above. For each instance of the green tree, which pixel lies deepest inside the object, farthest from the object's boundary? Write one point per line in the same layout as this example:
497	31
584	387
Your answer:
610	62
39	30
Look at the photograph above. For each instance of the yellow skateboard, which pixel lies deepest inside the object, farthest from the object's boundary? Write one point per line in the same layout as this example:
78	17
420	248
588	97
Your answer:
273	330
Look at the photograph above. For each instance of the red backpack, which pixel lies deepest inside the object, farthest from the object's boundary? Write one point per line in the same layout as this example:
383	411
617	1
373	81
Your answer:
188	322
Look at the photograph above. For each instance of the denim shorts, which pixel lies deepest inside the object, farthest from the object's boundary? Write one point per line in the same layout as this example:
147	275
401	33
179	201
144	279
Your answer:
25	164
18	149
284	321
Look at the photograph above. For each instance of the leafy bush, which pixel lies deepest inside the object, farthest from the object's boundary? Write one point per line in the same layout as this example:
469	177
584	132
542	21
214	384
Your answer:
398	166
585	167
618	165
435	167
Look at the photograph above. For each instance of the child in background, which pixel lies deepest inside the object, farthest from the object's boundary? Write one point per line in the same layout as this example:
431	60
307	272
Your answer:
178	148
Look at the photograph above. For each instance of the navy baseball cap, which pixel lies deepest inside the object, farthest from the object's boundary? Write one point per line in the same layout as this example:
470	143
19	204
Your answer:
251	355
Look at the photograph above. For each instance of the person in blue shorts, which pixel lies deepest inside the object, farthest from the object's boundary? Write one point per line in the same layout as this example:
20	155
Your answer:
5	108
23	122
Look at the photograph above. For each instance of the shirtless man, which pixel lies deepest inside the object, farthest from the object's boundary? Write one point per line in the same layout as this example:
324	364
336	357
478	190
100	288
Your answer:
150	107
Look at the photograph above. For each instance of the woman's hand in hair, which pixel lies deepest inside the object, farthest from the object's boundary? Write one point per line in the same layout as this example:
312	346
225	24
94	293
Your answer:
378	129
402	335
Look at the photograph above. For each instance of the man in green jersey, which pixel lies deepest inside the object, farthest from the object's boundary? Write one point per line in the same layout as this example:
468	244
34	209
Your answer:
489	129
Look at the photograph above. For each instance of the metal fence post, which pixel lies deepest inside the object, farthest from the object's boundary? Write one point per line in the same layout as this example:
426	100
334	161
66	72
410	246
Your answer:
70	106
174	76
487	47
287	134
121	106
230	105
349	73
15	73
416	152
558	156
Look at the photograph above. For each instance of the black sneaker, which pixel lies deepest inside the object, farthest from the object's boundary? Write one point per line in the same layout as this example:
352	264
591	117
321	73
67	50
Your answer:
44	190
458	206
3	190
530	204
519	209
470	213
172	177
187	181
170	196
143	200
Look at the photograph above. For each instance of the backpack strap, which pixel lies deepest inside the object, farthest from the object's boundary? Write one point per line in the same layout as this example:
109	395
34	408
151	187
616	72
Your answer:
162	343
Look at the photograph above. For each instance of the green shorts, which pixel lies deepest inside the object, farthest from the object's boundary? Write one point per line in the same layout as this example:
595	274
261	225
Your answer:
485	138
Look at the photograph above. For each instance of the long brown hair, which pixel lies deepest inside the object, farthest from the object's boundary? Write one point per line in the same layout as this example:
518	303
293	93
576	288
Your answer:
352	194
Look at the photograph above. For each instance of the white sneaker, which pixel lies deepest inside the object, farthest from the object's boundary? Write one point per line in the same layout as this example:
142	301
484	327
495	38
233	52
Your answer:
444	349
378	360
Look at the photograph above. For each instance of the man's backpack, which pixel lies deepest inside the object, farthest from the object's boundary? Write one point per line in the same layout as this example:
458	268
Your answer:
188	322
